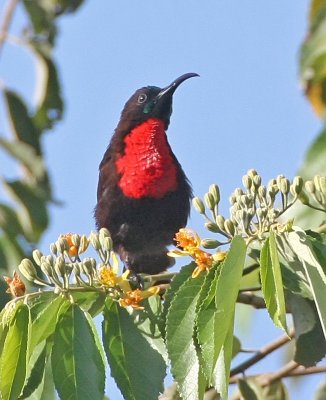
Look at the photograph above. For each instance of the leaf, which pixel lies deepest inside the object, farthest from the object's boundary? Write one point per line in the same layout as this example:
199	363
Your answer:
250	390
302	246
175	284
77	365
272	285
321	392
36	371
309	337
21	123
137	368
27	156
49	100
13	361
44	323
215	316
34	216
180	327
315	7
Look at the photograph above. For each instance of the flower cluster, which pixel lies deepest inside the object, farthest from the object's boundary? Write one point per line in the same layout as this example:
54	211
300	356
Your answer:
189	243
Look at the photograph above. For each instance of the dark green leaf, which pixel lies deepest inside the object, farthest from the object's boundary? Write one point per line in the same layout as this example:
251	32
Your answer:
13	361
303	248
309	337
180	327
22	125
272	285
34	215
250	390
9	221
77	364
44	322
215	315
36	367
137	368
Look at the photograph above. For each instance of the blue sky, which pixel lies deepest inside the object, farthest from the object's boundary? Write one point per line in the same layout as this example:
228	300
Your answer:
246	110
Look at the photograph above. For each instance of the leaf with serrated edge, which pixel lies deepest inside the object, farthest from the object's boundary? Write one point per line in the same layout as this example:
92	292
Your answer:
77	365
274	297
216	315
137	368
13	361
179	337
302	246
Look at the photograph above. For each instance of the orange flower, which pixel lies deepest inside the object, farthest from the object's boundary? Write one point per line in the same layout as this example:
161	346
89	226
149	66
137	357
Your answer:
187	239
134	297
73	249
16	285
204	262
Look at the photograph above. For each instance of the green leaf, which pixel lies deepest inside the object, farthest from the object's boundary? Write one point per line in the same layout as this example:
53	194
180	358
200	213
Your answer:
321	392
303	248
175	284
309	337
44	322
272	285
35	371
49	100
77	365
250	390
180	327
34	216
27	156
215	315
13	361
137	368
21	123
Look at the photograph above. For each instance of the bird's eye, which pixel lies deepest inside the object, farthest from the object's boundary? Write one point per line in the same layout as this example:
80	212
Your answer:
142	98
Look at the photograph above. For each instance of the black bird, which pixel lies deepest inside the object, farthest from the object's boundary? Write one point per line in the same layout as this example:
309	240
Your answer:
143	195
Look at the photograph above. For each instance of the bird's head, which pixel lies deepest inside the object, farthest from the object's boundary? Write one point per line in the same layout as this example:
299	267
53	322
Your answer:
151	102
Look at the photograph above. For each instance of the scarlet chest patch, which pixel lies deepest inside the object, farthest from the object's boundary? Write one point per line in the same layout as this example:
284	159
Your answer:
147	168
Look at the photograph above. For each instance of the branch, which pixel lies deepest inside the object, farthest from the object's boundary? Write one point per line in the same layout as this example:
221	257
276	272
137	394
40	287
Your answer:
262	353
7	18
251	299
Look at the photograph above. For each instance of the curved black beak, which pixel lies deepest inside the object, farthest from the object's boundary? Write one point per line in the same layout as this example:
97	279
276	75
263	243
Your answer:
172	87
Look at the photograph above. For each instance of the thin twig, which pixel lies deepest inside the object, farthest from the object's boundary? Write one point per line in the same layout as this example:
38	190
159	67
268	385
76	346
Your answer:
262	353
251	299
6	20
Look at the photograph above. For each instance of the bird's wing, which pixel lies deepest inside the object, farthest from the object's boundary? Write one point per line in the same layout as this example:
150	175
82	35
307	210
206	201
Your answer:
104	171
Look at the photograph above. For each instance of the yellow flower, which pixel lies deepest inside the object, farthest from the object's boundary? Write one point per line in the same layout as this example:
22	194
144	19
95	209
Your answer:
204	262
16	285
134	297
187	239
108	276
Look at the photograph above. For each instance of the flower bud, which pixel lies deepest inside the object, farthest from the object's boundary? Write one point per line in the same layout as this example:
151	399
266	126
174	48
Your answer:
27	268
317	182
212	227
215	191
75	239
84	242
107	243
60	266
322	183
304	198
278	180
210	243
247	181
238	192
252	173
297	184
257	181
232	199
93	238
53	248
229	227
37	255
262	192
209	200
310	187
199	205
103	233
89	264
284	186
220	222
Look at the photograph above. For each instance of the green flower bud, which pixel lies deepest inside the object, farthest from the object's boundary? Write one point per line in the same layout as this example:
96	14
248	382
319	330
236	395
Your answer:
232	199
278	180
304	198
252	173
212	227
322	183
210	243
257	181
103	233
317	182
89	265
93	238
247	181
220	222
199	205
297	184
107	243
75	240
27	268
238	192
37	255
215	191
310	187
209	200
84	242
229	227
46	268
53	248
284	186
60	266
262	192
